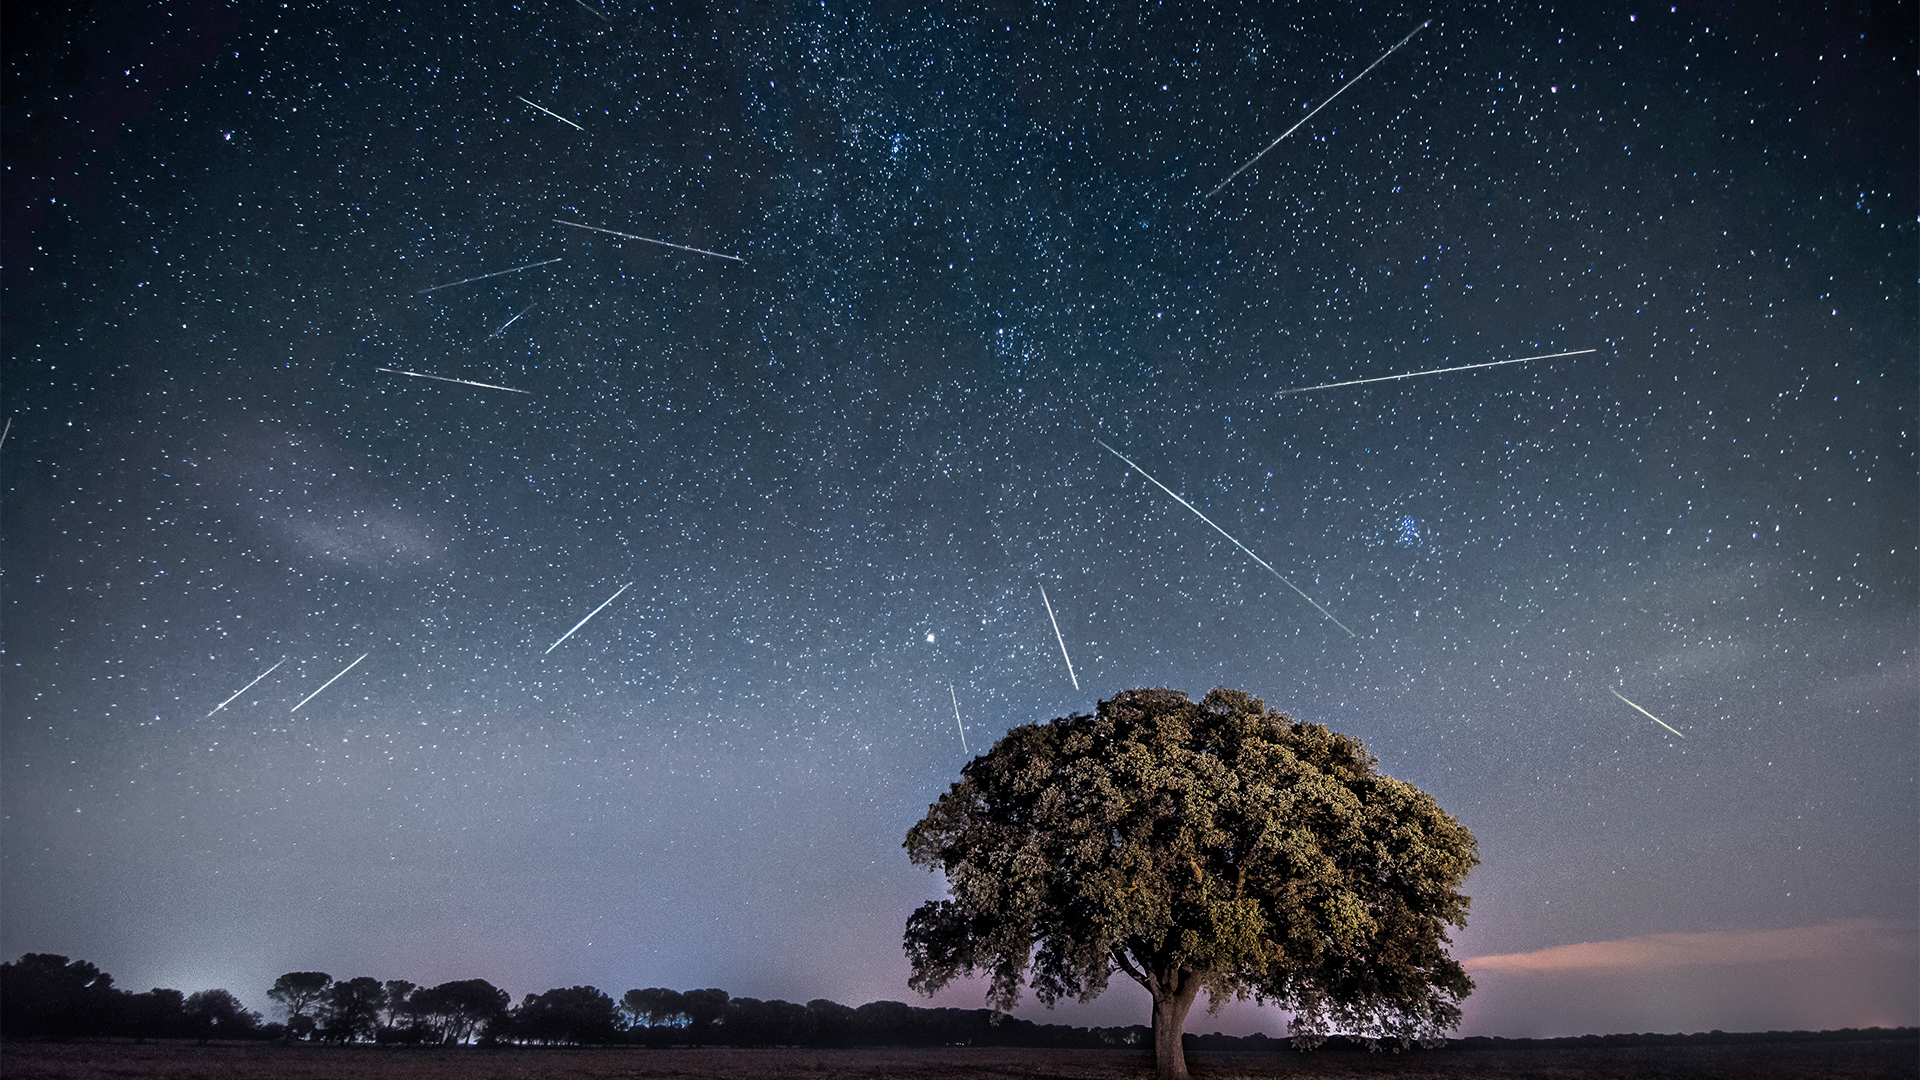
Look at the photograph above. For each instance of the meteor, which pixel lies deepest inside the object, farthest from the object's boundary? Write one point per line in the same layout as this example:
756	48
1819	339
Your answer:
956	718
1058	638
323	685
1229	536
553	114
483	277
449	378
590	615
1644	712
651	240
1316	109
510	322
1435	371
247	687
596	11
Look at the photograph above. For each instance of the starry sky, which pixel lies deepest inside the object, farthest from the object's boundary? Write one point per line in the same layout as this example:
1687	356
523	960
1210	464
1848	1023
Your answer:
834	444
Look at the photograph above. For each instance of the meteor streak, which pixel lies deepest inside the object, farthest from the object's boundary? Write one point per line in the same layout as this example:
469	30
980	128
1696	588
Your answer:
510	322
596	11
3	434
651	240
1229	536
249	686
1644	712
1058	638
1435	371
956	718
1309	116
483	277
590	615
323	685
550	112
449	378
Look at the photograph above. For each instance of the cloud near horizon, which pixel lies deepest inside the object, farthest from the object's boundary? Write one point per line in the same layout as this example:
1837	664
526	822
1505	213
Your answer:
1828	941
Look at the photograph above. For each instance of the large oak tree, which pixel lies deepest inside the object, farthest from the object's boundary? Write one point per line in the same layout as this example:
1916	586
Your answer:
1214	845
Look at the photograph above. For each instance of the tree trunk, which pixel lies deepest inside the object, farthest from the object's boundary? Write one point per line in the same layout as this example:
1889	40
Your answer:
1170	1005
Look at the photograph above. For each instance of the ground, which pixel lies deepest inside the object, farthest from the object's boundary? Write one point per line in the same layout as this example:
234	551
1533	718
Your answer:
177	1061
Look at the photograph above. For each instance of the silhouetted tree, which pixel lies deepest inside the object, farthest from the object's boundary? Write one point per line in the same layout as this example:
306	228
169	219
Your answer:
399	1007
577	1014
829	1023
455	1012
705	1009
300	994
352	1009
655	1007
156	1014
45	995
1216	845
752	1022
217	1014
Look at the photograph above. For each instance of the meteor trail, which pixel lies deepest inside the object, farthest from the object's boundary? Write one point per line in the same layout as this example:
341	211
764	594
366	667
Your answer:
324	685
590	615
449	378
956	718
550	112
1436	371
3	434
483	277
650	240
249	686
1229	536
1644	712
1309	116
510	322
1056	637
596	11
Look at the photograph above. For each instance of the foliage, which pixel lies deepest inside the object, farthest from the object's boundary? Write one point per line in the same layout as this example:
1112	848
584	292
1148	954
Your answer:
457	1012
577	1014
217	1014
654	1007
299	994
704	1009
352	1010
1214	845
45	995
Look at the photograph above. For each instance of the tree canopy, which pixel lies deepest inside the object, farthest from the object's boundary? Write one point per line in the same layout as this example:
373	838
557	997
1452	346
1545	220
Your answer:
1214	845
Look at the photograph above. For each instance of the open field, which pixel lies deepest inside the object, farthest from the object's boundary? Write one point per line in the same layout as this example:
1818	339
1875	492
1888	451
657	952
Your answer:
162	1061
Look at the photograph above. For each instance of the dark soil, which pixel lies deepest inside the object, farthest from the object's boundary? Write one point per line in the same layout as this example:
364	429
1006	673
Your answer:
1864	1060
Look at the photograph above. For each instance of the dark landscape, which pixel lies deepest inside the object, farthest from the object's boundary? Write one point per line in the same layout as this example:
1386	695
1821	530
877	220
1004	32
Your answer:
1869	1056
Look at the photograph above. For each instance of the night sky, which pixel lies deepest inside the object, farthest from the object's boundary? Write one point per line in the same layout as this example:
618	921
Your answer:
833	472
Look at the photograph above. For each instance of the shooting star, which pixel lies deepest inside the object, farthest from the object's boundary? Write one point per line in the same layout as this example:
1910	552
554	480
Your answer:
590	615
510	322
1316	109
483	277
249	686
3	434
1644	712
956	718
326	684
553	114
596	11
651	240
1436	371
1058	638
1229	536
451	379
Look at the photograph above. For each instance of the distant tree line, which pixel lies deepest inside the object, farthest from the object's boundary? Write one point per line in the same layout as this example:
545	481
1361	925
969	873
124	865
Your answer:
49	997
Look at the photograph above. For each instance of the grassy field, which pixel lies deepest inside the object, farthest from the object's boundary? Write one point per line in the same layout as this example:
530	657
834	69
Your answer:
164	1061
